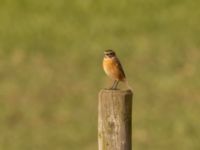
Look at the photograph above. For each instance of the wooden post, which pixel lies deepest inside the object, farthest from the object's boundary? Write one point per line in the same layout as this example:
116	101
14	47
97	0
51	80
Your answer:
114	120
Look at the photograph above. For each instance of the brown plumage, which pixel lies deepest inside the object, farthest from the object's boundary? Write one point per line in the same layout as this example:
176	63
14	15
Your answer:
113	67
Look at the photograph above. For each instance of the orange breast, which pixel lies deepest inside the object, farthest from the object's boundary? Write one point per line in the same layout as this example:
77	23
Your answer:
112	70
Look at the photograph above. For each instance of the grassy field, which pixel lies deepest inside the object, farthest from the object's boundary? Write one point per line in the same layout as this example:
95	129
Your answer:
50	71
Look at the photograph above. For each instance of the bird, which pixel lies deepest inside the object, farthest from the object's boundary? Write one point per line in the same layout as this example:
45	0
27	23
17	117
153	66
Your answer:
113	68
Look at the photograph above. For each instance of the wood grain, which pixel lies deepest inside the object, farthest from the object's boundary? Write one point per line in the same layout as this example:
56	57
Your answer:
114	120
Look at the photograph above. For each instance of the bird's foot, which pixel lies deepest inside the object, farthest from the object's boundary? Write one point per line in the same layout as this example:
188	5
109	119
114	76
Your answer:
111	88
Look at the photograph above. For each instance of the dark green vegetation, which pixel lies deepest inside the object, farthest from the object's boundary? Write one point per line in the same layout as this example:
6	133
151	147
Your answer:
50	71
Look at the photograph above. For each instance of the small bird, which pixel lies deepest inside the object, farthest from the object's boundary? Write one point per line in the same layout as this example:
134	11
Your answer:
113	68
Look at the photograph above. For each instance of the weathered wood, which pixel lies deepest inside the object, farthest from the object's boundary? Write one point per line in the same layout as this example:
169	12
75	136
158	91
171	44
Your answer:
114	120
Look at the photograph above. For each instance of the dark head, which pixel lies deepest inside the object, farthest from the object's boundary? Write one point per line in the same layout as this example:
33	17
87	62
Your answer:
109	53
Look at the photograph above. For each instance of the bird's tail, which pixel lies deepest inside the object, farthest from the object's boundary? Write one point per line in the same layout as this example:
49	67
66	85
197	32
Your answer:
128	86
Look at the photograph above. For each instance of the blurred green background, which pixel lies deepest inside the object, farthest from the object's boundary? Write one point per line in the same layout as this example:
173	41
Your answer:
50	71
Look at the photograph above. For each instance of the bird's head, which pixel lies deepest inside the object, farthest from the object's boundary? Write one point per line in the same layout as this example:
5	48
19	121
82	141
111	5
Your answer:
109	53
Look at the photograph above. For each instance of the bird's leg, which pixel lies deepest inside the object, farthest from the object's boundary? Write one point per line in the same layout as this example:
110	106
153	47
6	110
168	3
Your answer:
115	87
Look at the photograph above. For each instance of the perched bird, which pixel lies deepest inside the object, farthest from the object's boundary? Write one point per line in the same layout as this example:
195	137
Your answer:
113	68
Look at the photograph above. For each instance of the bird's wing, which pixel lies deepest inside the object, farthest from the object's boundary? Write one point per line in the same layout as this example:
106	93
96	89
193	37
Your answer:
121	69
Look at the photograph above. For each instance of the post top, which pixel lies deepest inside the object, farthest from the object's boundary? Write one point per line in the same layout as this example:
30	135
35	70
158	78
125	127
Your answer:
118	91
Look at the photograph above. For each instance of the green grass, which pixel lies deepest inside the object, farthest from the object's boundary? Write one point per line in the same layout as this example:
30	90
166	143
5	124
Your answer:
50	71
